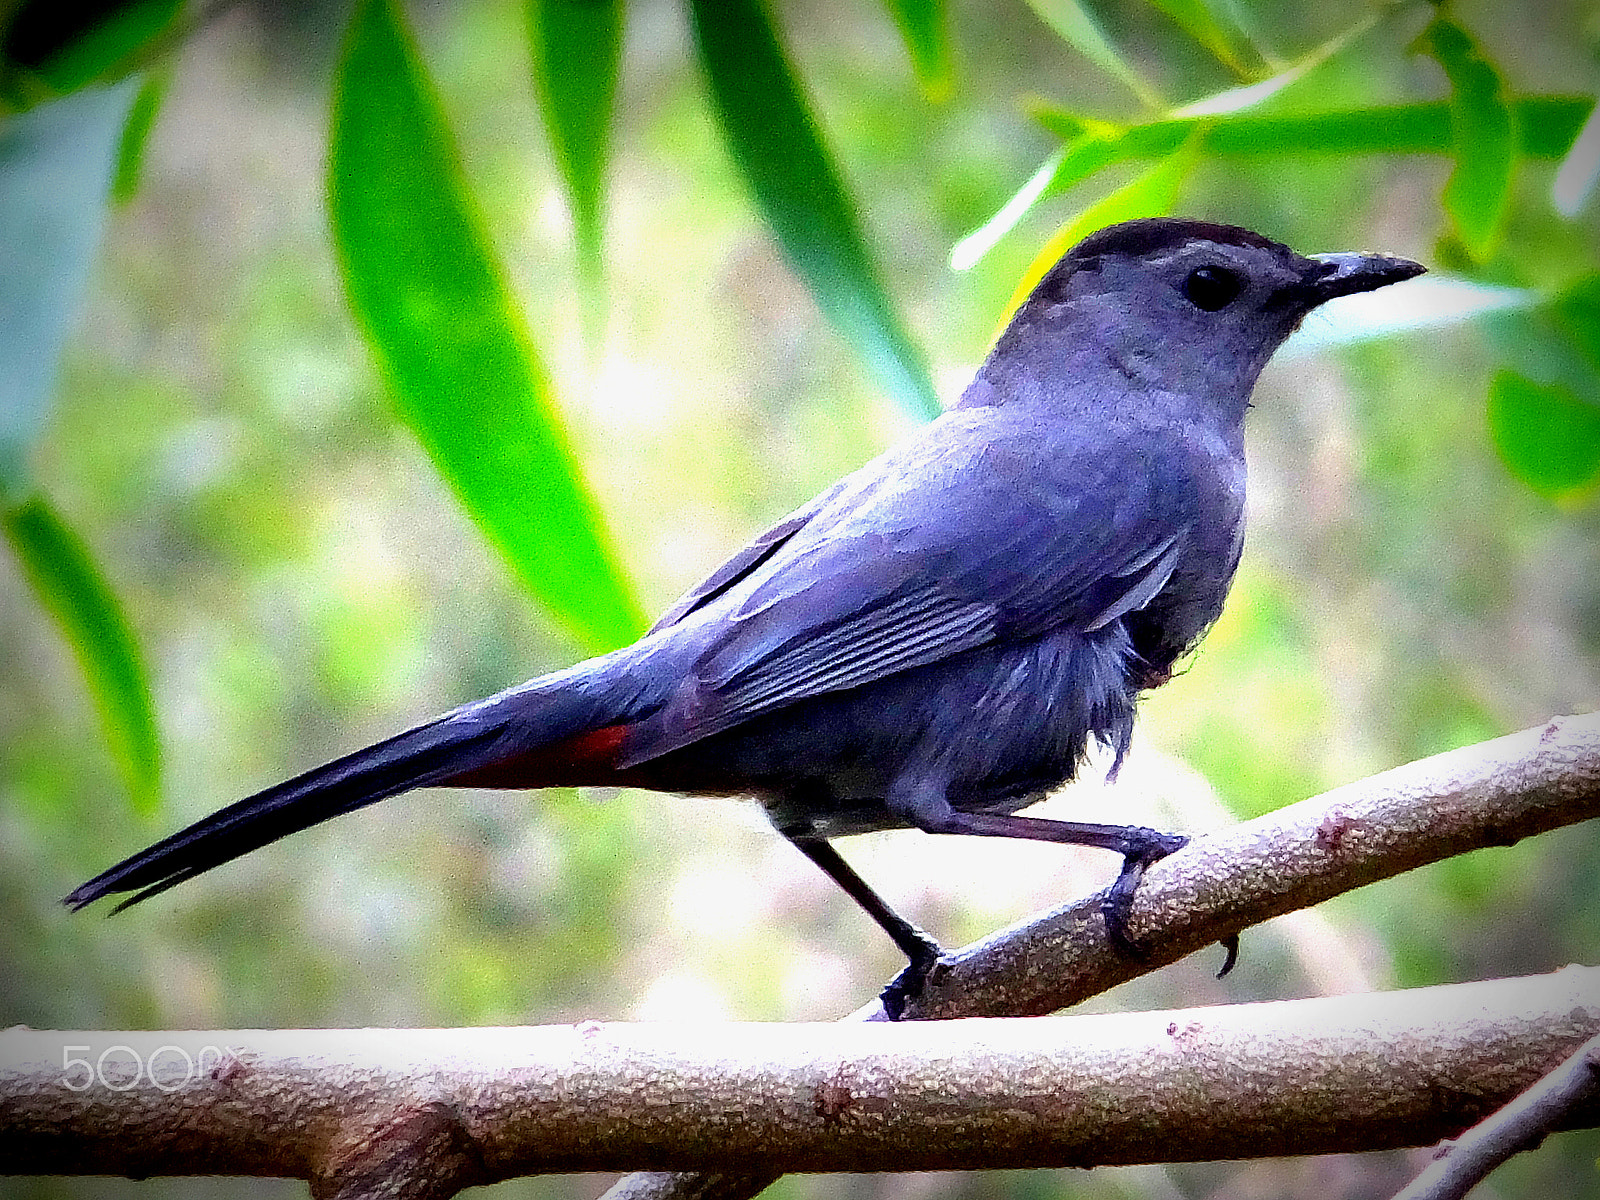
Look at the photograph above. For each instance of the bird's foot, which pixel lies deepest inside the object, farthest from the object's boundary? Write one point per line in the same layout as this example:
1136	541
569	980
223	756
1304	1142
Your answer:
1146	846
905	987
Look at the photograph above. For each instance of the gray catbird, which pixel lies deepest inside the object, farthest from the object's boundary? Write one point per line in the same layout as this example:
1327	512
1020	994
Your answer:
933	641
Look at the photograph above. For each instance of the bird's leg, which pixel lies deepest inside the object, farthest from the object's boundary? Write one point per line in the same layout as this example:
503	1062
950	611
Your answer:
1138	846
922	951
928	809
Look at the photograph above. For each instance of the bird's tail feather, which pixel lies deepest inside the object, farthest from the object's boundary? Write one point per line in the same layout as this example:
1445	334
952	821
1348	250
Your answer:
456	748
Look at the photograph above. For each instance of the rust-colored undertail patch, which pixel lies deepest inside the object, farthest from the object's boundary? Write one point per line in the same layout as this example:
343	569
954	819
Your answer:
584	760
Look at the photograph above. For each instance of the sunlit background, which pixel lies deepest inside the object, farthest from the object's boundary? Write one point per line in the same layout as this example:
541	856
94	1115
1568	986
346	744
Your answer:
302	582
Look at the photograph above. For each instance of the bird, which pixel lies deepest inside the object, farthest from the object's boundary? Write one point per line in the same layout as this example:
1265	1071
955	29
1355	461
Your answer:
942	637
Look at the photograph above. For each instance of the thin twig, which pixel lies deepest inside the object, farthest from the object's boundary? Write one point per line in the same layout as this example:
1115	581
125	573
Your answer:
1520	1125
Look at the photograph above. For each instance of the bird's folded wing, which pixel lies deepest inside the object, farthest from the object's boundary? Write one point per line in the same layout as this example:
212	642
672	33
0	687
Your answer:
745	561
920	625
906	580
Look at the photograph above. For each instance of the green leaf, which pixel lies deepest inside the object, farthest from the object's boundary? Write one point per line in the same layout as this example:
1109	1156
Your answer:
1577	315
136	133
1548	437
1579	171
775	142
1075	26
50	49
1551	342
1094	144
1393	129
1477	196
967	252
453	347
1545	125
1088	155
576	47
1252	95
55	169
1196	18
925	28
69	586
1386	129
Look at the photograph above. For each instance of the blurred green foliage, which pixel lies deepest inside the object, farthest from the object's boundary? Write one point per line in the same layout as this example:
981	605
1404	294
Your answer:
271	539
776	144
1482	137
925	26
71	589
454	351
576	46
48	49
54	176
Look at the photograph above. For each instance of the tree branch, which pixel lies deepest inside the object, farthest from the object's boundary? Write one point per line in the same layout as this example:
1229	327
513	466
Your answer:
1493	793
1520	1125
423	1113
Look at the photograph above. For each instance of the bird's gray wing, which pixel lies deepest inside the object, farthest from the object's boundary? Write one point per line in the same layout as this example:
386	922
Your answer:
745	561
929	560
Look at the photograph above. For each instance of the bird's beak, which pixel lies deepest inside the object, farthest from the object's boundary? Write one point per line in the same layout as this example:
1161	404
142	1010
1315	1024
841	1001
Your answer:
1347	273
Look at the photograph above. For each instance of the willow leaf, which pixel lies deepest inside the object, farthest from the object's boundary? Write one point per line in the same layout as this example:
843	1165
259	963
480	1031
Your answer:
776	144
1477	196
1152	194
577	45
925	28
448	336
69	585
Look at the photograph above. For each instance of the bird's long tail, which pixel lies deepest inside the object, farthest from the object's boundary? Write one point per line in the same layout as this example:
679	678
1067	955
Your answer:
550	732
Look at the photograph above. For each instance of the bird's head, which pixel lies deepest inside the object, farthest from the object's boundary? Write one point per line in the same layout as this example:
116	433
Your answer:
1168	306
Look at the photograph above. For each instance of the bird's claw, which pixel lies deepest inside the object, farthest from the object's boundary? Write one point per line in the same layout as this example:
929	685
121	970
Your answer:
1230	946
907	986
1145	846
1117	903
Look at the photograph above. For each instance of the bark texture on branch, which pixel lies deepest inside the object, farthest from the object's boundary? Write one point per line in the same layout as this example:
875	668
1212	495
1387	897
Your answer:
423	1113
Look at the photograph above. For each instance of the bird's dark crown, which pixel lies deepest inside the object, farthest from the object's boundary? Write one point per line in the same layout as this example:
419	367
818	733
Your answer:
1146	235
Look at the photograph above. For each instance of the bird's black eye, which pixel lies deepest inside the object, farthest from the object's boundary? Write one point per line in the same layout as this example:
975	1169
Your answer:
1212	288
